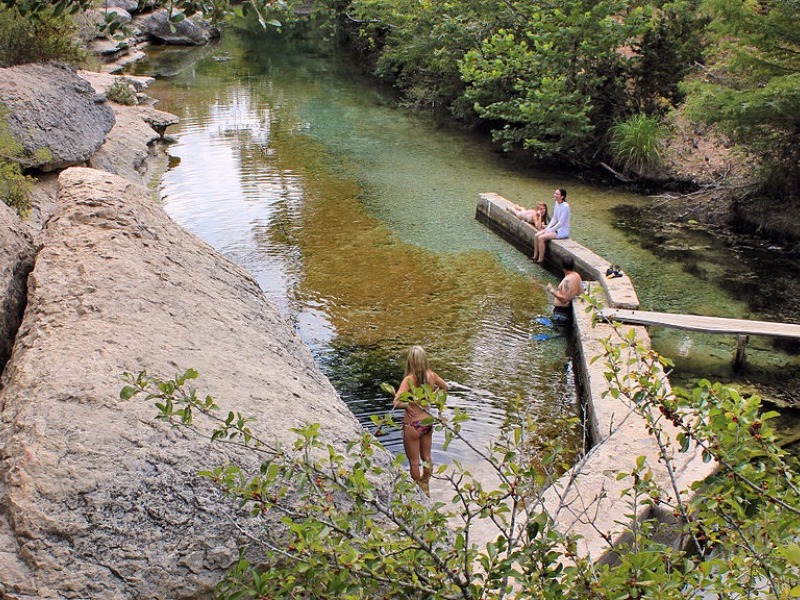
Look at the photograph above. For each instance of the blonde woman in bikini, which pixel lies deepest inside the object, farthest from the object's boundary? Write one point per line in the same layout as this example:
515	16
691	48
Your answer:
418	437
537	217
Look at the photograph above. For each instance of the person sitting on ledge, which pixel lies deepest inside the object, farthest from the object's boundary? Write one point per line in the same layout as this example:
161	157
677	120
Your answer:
569	288
558	228
537	217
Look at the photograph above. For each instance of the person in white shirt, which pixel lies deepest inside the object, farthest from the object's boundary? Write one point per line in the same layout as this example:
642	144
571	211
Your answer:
557	228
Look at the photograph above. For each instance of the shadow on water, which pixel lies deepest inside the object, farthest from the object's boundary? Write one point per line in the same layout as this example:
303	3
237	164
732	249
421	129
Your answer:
764	278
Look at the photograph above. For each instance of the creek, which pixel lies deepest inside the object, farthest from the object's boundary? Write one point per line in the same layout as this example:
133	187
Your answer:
356	218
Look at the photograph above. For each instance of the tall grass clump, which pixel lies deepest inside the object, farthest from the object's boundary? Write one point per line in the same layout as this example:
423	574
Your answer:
636	143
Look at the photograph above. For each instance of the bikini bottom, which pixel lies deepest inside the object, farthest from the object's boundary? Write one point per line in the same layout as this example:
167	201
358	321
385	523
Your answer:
420	428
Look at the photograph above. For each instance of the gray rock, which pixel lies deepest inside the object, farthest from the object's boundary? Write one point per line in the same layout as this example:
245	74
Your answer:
97	499
130	143
193	31
132	6
158	119
16	261
128	146
102	81
56	116
91	20
43	203
120	15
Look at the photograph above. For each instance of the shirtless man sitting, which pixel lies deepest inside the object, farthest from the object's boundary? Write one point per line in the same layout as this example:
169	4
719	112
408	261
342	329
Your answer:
569	288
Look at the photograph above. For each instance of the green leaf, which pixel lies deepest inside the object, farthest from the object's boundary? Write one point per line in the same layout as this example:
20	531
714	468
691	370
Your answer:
128	392
792	553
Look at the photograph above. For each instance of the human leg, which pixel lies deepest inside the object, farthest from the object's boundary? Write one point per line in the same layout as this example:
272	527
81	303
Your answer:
541	242
411	444
425	444
536	245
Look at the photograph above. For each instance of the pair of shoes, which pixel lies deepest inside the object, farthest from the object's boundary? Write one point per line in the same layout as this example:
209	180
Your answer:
613	271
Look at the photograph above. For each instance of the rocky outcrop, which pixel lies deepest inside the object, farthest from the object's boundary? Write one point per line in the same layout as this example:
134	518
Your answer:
129	145
16	261
131	149
188	32
55	115
97	499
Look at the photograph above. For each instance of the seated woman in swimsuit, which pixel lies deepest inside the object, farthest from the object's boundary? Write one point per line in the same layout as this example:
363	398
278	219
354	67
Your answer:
417	437
537	217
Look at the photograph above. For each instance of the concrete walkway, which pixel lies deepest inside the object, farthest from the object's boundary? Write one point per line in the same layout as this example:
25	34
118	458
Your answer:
587	500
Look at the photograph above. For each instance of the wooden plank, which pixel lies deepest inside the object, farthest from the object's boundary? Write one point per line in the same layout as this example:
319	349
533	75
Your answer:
701	323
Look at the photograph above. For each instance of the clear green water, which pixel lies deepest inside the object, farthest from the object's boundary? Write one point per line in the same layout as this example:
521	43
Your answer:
357	220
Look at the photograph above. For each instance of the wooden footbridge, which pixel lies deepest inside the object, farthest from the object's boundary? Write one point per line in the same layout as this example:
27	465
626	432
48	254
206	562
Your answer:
741	328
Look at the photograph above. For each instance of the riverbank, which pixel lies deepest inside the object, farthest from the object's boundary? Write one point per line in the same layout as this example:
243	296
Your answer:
98	498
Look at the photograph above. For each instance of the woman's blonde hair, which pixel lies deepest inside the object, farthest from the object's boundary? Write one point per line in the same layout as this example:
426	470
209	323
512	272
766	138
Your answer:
417	365
546	215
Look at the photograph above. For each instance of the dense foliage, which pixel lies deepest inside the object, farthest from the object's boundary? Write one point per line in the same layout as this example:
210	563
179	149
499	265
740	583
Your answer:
14	184
26	40
347	533
556	79
550	78
751	86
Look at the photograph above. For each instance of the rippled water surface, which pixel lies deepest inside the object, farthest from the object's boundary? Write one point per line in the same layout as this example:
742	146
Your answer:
357	220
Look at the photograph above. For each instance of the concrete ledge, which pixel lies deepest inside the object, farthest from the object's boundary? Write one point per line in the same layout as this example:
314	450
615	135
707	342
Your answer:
492	210
587	501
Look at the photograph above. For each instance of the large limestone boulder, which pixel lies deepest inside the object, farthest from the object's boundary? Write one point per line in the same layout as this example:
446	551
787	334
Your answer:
16	261
97	499
56	116
193	31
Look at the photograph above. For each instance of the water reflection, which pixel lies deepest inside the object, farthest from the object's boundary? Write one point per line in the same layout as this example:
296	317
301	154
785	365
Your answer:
357	220
333	204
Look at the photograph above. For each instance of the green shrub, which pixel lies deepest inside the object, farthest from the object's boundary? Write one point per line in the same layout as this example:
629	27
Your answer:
14	184
47	38
346	537
636	143
121	92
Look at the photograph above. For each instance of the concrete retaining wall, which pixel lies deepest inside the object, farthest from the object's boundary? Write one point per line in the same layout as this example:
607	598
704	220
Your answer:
587	500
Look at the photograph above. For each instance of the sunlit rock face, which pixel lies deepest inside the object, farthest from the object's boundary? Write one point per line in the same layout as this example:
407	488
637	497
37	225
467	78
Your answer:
97	498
